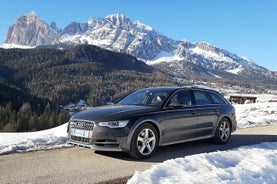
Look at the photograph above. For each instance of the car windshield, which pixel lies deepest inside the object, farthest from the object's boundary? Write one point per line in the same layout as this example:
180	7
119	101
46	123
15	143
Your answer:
149	97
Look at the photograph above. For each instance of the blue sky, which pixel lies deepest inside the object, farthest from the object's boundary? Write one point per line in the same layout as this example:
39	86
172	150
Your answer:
245	27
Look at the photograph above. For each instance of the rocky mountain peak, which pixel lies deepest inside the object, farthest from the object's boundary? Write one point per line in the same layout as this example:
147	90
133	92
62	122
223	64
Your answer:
27	20
53	25
143	26
206	46
120	21
75	28
31	17
31	30
32	13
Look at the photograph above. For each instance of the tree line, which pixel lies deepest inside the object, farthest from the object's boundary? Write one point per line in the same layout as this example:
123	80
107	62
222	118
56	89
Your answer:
26	120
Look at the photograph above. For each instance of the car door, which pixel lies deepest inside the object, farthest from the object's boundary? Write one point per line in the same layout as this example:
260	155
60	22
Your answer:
207	112
180	118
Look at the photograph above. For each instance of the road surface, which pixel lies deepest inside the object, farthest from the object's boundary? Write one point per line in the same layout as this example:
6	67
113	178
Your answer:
81	165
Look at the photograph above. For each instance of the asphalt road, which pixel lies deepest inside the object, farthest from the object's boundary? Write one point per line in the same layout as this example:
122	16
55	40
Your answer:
80	165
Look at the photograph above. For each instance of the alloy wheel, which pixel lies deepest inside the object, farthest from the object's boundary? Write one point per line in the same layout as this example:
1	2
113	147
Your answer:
224	131
146	141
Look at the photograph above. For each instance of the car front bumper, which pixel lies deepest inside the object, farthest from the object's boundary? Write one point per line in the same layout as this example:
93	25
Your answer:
100	138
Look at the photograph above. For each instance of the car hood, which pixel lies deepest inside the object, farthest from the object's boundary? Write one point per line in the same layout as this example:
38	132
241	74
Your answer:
113	112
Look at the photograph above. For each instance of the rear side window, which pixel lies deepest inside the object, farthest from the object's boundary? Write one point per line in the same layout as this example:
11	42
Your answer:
216	99
205	97
202	98
181	99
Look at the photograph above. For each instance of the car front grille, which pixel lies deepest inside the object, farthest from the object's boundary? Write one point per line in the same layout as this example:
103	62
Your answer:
82	124
81	130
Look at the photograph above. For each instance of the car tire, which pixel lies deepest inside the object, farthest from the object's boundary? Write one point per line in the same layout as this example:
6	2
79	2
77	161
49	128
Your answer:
144	142
223	131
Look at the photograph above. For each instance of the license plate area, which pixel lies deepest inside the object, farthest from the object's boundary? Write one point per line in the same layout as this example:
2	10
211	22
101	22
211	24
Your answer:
81	133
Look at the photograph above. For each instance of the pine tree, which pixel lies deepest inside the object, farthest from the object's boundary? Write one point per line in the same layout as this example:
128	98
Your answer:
33	123
24	114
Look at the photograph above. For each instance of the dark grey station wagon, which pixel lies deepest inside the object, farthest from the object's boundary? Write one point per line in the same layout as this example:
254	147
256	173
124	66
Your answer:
152	117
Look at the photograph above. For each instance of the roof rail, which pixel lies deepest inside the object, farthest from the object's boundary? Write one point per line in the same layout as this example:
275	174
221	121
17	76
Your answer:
201	87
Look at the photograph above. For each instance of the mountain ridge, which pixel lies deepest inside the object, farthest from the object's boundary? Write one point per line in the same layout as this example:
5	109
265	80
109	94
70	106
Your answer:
118	33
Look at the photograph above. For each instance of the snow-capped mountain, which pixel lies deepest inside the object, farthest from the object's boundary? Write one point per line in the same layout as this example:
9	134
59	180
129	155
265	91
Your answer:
114	32
118	33
204	62
207	56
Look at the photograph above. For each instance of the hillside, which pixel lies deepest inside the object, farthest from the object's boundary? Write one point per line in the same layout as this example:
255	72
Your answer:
22	111
35	82
82	72
17	97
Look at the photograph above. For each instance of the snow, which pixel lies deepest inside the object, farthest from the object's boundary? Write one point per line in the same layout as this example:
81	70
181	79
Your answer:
143	26
212	55
164	57
32	141
245	58
246	164
11	46
236	70
256	114
212	74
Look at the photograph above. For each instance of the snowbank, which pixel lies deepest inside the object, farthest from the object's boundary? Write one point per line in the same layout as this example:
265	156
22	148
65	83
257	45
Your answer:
30	141
256	114
248	164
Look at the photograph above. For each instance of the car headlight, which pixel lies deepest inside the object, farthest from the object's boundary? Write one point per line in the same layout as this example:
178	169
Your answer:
114	124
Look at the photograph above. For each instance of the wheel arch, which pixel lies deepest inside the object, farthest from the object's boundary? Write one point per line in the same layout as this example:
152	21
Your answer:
229	119
217	138
218	121
132	131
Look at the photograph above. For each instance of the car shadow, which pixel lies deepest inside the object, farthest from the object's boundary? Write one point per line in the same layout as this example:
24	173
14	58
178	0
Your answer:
196	147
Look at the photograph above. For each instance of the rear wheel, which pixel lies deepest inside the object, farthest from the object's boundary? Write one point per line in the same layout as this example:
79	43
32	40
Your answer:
223	131
144	142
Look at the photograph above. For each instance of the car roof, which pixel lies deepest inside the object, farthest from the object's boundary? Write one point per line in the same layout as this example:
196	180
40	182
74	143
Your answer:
173	88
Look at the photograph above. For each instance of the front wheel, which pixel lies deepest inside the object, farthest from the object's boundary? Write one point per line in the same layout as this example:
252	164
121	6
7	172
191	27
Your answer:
223	131
144	142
